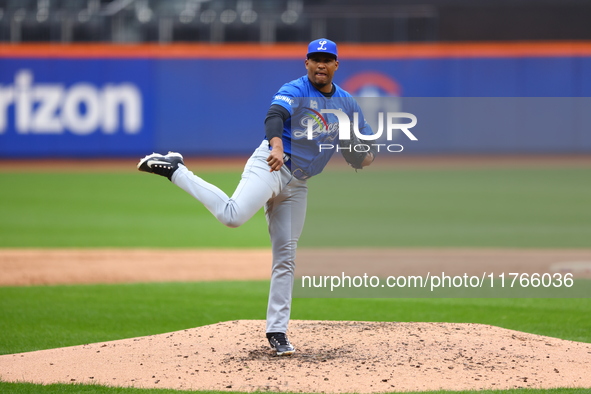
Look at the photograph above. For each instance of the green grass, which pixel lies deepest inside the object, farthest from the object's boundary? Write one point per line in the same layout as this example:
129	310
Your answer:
114	210
403	208
516	208
382	208
42	317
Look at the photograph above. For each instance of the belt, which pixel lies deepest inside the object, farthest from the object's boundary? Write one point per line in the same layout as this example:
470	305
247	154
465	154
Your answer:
298	172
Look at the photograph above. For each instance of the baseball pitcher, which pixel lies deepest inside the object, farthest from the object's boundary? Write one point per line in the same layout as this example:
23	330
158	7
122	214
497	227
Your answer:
275	176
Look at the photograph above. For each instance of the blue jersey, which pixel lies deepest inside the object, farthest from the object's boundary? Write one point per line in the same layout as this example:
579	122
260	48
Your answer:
308	133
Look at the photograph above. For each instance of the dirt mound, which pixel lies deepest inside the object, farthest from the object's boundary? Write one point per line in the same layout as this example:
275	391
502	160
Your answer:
331	357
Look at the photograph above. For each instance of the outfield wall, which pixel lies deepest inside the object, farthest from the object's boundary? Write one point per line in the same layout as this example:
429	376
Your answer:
110	101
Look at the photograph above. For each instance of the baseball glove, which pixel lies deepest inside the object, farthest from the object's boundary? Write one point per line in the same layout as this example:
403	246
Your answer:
354	151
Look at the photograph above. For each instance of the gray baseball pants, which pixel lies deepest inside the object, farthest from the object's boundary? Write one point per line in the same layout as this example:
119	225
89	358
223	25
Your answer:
284	198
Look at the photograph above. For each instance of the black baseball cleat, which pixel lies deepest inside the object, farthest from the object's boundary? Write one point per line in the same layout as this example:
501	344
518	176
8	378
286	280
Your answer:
164	165
280	343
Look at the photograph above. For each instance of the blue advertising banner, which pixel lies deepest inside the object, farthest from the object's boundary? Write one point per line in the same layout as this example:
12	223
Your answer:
115	107
75	108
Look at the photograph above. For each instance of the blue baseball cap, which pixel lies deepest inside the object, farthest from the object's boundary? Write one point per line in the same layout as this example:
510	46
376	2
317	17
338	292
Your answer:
322	45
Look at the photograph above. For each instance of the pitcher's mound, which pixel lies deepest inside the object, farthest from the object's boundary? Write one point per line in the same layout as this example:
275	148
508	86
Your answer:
331	357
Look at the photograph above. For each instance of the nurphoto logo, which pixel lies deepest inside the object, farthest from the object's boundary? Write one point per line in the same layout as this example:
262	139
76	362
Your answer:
346	127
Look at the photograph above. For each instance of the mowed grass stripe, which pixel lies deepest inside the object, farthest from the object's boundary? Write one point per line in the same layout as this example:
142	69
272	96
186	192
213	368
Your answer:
42	317
114	210
533	208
